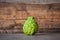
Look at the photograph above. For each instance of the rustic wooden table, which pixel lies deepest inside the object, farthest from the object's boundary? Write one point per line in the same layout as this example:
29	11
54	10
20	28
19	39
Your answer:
51	36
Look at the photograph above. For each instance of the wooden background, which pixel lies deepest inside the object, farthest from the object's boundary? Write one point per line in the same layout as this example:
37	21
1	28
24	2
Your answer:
13	16
32	1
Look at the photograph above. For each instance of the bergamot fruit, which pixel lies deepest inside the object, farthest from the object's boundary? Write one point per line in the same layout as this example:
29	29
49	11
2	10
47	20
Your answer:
30	26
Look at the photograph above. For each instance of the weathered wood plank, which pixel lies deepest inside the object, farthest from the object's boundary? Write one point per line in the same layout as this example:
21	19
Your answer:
13	16
32	1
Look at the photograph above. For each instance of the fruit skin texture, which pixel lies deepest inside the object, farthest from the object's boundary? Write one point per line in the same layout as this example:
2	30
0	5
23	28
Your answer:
30	27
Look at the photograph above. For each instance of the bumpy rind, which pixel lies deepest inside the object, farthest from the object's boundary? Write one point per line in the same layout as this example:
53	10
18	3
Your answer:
30	27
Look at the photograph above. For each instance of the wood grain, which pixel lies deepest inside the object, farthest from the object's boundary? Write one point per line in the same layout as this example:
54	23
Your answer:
13	16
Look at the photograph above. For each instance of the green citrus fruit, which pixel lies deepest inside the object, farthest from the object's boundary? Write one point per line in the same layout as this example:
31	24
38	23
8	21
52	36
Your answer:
30	26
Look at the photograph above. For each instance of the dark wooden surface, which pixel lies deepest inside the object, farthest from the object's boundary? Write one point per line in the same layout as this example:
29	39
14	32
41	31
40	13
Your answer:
46	36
